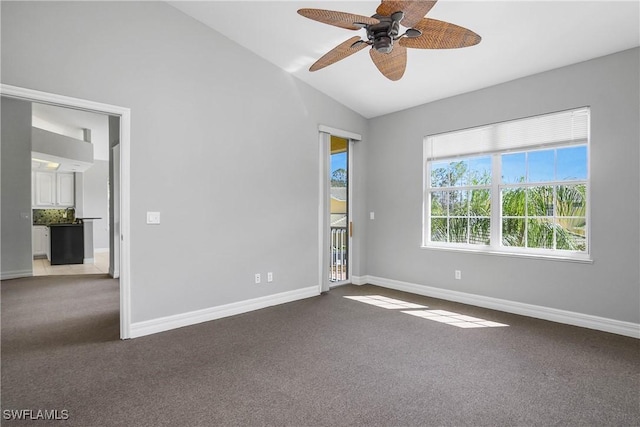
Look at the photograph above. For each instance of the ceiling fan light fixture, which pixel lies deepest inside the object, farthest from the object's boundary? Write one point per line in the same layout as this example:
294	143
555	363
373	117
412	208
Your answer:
383	44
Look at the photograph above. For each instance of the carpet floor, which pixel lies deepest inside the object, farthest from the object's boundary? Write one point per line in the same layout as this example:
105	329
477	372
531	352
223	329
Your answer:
322	361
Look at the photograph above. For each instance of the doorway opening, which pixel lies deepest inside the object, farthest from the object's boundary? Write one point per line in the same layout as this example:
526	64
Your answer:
71	197
119	188
335	227
339	228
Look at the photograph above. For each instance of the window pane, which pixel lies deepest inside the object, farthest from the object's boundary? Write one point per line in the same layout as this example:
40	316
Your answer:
571	200
570	234
458	173
540	233
439	174
458	203
480	203
513	201
513	232
513	168
540	201
458	230
571	163
438	203
479	171
541	166
438	229
480	231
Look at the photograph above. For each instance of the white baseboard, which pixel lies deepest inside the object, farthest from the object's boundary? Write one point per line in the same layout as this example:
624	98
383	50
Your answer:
88	261
100	250
162	324
6	275
359	280
561	316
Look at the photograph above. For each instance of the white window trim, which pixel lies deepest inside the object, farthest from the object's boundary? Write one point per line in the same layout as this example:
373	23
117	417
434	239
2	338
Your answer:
496	248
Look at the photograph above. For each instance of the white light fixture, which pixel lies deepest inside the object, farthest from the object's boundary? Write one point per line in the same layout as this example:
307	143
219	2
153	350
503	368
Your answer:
47	164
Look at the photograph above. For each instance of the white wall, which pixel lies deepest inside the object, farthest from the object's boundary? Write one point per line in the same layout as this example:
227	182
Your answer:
216	134
610	286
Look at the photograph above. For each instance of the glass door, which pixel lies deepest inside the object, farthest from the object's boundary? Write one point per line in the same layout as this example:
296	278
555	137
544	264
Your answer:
339	224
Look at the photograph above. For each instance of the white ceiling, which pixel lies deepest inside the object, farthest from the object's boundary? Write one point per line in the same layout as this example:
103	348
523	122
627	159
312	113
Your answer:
519	38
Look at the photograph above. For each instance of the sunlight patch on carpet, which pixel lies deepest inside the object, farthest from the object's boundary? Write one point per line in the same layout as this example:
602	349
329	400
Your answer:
442	316
455	319
384	302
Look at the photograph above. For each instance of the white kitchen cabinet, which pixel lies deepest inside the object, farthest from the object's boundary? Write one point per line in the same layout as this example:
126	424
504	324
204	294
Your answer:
65	195
40	240
44	189
53	189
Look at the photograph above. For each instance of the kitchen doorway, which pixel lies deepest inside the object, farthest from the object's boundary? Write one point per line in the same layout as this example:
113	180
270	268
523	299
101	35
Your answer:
65	192
123	137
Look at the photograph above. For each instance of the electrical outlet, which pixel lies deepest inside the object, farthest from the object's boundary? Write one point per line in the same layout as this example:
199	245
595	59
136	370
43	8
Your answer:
458	274
258	278
153	217
270	277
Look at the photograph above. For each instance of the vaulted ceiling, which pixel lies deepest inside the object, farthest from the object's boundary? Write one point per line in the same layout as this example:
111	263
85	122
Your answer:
519	38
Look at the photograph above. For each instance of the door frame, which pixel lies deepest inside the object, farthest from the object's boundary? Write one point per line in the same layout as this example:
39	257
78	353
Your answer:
324	217
32	95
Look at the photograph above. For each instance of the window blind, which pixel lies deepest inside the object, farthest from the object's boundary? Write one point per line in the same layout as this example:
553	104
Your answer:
569	127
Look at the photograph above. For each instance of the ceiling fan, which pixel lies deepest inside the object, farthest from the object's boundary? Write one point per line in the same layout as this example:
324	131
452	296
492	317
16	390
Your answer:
388	45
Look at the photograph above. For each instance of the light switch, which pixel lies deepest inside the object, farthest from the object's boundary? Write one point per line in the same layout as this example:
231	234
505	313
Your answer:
372	215
153	217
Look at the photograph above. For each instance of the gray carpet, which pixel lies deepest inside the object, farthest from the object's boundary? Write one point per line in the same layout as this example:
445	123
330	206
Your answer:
323	361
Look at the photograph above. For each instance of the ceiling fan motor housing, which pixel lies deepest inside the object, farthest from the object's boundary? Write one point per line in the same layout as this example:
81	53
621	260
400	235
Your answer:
383	34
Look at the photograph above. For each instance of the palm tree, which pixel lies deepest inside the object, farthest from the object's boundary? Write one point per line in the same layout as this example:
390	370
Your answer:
542	216
537	220
468	211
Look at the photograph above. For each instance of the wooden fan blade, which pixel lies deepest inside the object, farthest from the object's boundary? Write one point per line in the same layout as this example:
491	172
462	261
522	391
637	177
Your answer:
414	10
440	35
392	64
339	52
338	19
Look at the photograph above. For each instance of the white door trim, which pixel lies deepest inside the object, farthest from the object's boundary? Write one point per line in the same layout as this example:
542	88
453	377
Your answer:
125	161
340	133
323	206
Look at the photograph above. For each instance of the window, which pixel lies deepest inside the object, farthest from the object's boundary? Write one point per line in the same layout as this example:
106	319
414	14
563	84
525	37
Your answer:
515	187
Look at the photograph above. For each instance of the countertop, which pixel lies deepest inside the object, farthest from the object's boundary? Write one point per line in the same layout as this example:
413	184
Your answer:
78	221
59	224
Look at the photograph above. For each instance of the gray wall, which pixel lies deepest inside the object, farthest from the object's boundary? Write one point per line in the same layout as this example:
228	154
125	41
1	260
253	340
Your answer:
213	134
15	154
610	286
224	145
95	201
